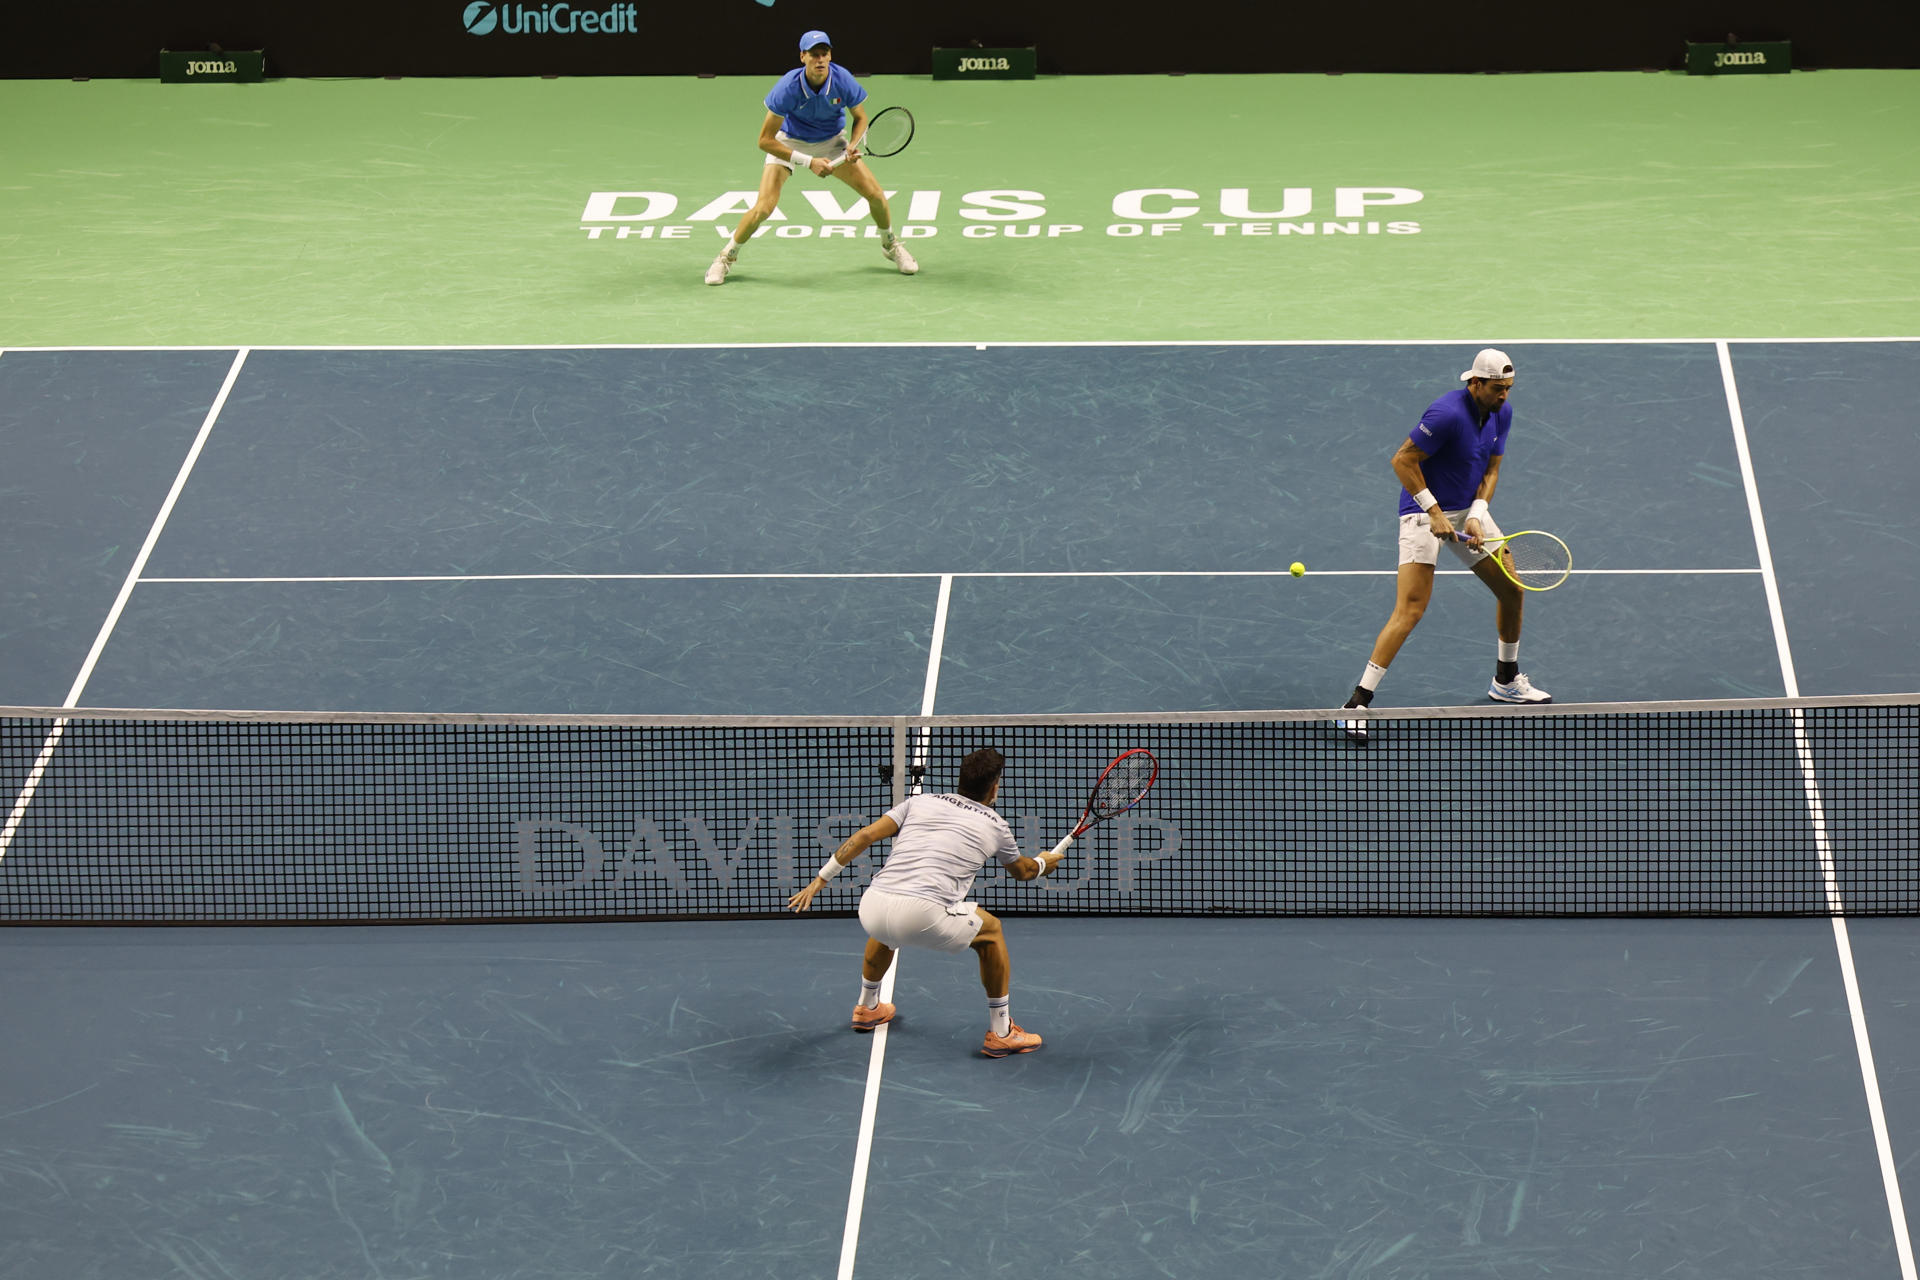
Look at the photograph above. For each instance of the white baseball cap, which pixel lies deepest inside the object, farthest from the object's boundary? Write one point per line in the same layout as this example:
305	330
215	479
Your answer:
1490	363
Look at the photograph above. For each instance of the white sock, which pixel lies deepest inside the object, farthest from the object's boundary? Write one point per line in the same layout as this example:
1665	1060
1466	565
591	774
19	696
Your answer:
1509	651
999	1014
733	248
869	994
887	238
1370	678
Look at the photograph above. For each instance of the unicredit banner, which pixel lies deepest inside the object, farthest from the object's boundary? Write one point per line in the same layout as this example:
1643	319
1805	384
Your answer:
122	38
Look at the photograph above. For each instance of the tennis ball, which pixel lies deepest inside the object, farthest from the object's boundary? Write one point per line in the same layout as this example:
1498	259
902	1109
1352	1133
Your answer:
1297	569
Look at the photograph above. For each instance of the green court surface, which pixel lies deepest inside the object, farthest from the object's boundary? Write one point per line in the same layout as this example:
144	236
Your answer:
423	212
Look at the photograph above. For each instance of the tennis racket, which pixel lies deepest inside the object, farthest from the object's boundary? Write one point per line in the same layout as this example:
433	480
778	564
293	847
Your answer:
887	135
1123	785
1535	561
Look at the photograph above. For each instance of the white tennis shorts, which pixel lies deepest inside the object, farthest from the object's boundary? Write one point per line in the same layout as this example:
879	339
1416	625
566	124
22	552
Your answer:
826	150
1419	546
896	920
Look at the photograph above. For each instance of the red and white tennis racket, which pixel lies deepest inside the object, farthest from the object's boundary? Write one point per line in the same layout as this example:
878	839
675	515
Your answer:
1123	785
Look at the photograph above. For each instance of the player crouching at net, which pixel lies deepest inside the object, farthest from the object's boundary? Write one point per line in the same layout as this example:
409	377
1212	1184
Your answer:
806	128
917	898
1448	467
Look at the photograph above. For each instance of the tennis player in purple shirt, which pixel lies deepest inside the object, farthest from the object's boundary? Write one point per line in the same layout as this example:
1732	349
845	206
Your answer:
806	127
1448	467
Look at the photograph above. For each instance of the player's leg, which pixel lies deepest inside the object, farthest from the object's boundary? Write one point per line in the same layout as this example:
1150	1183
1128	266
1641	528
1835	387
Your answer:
773	177
1419	552
870	1012
875	963
996	964
856	175
881	917
1413	588
1509	600
996	975
1510	684
1413	591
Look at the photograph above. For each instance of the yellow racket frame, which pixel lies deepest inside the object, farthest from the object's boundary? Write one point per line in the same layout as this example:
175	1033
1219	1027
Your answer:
1503	557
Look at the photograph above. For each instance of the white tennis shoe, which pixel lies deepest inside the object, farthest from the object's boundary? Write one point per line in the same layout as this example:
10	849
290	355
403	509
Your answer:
717	273
1519	689
898	255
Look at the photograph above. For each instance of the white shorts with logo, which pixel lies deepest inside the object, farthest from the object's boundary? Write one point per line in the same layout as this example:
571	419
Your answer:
1419	546
896	920
828	149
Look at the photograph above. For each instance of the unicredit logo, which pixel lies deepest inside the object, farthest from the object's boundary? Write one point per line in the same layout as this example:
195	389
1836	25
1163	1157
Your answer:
483	18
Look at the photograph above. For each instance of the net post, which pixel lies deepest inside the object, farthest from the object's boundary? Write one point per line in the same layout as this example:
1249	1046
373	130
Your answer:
899	759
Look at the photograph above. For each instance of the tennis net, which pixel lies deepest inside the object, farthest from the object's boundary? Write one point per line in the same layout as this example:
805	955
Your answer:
1795	806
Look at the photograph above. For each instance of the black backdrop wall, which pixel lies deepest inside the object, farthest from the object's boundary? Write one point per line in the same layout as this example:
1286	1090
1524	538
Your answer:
121	38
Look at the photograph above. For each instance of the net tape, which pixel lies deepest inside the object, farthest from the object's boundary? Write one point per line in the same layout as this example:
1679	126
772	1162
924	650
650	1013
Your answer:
1800	806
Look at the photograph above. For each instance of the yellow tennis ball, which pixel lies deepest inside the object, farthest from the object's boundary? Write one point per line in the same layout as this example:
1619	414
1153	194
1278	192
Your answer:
1297	569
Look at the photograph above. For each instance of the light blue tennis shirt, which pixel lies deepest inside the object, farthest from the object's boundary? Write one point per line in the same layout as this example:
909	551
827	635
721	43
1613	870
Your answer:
944	840
1459	445
815	116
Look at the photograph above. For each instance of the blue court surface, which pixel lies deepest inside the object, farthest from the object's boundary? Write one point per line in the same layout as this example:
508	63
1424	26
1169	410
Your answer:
964	530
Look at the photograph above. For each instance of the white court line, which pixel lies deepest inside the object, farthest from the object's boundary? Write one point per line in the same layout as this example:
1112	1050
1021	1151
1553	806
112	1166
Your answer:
870	1104
933	651
1816	809
978	345
863	1151
38	772
27	792
284	580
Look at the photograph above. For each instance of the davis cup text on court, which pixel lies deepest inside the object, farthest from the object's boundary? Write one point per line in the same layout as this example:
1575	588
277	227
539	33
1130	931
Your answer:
1011	205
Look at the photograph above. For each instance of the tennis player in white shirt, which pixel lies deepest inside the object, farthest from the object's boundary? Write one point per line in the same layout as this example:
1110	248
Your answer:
918	898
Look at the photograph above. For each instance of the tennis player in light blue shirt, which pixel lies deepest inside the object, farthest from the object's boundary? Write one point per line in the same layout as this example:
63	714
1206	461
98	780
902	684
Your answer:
812	114
1448	468
815	114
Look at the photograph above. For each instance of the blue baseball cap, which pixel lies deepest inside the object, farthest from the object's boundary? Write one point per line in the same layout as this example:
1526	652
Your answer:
813	38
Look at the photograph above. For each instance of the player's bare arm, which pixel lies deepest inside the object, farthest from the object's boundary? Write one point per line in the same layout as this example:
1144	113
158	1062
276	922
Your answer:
1484	495
771	144
856	131
1032	868
1406	467
856	844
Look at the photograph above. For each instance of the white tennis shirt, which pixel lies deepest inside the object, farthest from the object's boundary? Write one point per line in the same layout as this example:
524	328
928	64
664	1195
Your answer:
944	840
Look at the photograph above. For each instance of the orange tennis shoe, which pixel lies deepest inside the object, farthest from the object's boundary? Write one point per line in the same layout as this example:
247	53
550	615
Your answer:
865	1019
1015	1041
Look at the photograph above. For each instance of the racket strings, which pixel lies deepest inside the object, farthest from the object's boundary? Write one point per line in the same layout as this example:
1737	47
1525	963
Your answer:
1123	786
1539	561
889	131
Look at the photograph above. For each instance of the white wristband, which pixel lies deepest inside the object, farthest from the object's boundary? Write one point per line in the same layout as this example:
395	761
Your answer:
1425	500
1478	511
830	869
801	160
1041	858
